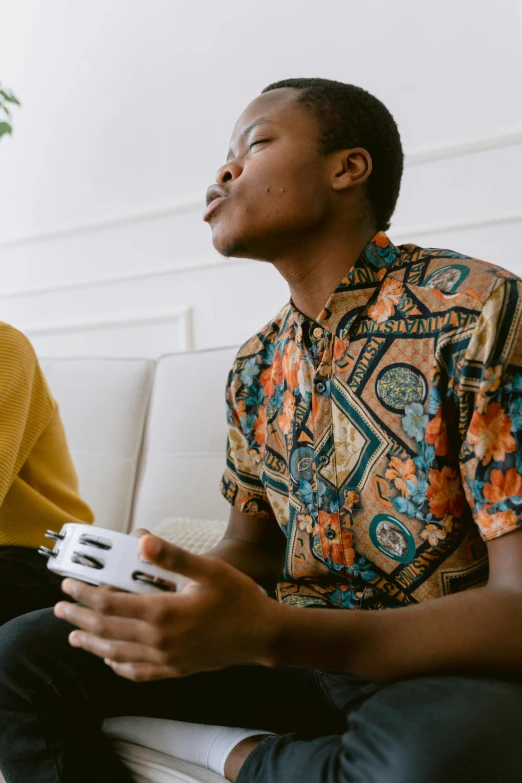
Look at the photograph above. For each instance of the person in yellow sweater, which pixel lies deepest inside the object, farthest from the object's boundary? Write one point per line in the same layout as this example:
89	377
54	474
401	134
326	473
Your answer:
38	481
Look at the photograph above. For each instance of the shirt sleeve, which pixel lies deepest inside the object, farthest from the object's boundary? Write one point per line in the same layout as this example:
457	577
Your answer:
241	484
490	392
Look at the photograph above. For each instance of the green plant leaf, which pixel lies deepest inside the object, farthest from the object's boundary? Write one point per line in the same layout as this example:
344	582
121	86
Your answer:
5	128
10	97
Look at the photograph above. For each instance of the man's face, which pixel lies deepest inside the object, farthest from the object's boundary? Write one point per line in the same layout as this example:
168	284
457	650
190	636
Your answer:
274	188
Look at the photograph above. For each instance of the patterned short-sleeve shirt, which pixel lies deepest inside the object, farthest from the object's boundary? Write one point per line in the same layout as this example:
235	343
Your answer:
385	436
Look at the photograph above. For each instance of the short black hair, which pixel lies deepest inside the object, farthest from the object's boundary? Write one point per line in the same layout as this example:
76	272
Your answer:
349	116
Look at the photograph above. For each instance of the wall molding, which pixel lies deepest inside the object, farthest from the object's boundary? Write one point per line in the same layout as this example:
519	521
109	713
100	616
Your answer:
182	316
504	137
416	156
457	225
397	234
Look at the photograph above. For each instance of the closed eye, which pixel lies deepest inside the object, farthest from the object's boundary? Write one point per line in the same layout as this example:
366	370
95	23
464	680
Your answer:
259	141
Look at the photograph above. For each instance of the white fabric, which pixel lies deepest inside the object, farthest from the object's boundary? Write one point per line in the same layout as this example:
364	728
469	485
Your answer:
195	535
206	746
103	404
150	766
185	440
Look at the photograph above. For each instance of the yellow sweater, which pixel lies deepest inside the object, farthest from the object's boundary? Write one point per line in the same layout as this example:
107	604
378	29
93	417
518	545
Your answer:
38	481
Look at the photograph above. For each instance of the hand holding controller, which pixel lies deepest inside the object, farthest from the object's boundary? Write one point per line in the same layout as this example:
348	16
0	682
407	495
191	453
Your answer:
101	556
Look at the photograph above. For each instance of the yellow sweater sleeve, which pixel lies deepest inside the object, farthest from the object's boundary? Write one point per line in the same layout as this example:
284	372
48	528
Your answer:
38	482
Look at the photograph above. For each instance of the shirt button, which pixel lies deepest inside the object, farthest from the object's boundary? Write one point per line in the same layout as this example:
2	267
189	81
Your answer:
324	460
320	387
330	534
318	332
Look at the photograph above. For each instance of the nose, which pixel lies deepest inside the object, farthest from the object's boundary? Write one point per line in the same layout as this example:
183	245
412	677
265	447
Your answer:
227	173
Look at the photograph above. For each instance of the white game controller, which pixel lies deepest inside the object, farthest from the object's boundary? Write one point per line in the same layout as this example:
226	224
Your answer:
100	556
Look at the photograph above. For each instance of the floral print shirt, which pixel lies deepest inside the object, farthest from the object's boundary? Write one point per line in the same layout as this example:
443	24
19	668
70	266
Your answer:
385	436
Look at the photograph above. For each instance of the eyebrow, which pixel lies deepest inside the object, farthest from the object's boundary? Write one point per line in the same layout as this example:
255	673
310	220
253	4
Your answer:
260	121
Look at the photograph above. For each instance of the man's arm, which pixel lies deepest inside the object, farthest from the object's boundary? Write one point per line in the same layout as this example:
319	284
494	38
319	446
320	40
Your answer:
175	635
254	545
477	630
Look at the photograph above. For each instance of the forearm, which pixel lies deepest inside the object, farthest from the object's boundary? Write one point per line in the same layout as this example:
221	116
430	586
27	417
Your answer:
259	564
477	630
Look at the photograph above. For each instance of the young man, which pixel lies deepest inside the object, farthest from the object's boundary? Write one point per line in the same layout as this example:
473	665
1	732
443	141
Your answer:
38	482
374	463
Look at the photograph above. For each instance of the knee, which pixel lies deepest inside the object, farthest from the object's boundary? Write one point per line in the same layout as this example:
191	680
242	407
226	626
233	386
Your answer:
26	643
461	730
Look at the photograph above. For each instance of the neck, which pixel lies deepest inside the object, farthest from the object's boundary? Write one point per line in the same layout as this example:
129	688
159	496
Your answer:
313	273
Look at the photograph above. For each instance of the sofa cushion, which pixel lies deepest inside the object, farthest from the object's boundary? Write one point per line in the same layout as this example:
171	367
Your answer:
195	535
185	440
151	766
103	404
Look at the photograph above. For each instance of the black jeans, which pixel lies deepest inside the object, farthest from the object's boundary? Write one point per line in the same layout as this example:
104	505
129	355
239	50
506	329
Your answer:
26	584
331	727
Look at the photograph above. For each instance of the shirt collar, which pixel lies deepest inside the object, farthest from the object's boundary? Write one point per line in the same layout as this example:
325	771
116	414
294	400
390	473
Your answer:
355	289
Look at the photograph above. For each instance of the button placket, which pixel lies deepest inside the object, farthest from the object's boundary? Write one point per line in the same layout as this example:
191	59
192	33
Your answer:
324	402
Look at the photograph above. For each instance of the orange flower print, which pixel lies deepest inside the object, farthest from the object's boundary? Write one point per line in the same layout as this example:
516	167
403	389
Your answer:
433	534
381	239
239	412
389	296
350	499
491	380
340	548
286	418
400	472
255	455
339	348
445	493
490	434
437	434
494	525
260	426
273	376
305	522
291	361
489	384
503	485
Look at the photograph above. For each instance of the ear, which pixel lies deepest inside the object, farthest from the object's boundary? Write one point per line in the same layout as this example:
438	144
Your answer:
351	167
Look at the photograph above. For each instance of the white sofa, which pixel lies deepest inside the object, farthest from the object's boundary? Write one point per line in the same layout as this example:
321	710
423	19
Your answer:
148	440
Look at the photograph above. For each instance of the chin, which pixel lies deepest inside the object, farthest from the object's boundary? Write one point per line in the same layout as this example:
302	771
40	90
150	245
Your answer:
228	245
238	244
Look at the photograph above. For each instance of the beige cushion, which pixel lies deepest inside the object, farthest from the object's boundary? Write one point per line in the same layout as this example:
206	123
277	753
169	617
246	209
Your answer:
185	441
103	404
196	535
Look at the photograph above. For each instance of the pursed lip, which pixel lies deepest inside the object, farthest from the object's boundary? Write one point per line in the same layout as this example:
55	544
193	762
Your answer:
215	195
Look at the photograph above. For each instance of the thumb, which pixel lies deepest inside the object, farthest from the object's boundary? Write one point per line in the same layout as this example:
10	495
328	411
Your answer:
196	567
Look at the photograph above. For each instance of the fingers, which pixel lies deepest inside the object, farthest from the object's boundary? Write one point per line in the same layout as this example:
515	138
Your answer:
140	531
141	672
205	570
116	651
115	603
102	626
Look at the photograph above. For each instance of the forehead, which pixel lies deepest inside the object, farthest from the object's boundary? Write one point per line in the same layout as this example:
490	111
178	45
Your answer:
278	106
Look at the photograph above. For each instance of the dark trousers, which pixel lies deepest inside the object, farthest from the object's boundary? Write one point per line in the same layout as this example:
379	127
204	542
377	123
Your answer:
26	584
331	727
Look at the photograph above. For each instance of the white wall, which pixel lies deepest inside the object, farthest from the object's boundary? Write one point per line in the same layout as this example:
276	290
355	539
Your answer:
127	110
